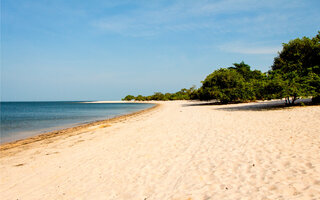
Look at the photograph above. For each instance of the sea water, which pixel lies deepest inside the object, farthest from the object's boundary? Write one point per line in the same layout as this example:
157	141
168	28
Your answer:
24	119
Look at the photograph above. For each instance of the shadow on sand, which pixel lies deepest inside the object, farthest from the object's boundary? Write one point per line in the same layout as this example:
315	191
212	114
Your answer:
254	106
203	103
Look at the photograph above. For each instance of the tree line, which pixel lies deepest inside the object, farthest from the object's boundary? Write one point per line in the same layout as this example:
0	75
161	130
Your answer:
295	73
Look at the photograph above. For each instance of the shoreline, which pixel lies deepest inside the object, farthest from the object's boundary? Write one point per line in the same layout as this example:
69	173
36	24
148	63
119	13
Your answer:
72	130
175	150
85	125
112	102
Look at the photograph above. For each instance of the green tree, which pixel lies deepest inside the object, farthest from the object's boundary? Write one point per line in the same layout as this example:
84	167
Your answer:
158	96
224	84
243	69
140	98
297	67
128	98
234	84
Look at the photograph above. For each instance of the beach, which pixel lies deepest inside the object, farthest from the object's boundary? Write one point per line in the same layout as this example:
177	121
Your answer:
177	150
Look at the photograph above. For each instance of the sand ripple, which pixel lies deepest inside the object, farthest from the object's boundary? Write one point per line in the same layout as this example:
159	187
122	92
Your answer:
177	152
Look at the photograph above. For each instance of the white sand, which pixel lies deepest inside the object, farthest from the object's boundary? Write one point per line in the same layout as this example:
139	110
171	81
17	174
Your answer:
175	152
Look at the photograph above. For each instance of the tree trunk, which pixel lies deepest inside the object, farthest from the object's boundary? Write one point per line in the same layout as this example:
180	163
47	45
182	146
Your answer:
293	100
287	100
290	103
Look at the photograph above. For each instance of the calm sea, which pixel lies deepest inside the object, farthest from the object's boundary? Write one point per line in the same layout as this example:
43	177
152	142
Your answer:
24	119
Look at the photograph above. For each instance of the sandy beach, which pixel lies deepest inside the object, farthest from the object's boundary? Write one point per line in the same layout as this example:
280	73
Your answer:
179	150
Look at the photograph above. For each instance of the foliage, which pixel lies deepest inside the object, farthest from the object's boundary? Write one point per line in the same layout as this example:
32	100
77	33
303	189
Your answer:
223	84
183	94
234	84
295	73
128	98
297	67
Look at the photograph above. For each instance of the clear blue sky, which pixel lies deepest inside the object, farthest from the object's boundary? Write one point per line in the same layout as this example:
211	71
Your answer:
104	50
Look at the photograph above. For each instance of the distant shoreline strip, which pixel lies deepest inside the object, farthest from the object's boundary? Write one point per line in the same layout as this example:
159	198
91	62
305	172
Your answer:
72	130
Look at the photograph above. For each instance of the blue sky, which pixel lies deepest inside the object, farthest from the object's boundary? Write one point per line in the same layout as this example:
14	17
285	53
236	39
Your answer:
104	50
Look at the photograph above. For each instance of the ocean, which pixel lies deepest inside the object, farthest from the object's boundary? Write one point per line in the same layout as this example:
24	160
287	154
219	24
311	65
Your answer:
21	120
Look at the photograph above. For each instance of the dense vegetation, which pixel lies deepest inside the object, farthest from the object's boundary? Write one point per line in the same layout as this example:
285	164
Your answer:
295	73
233	84
183	94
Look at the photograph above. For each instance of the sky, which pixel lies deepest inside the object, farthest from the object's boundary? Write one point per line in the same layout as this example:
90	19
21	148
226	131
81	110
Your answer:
67	50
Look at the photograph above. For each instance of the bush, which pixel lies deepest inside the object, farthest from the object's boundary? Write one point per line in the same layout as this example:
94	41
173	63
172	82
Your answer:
234	84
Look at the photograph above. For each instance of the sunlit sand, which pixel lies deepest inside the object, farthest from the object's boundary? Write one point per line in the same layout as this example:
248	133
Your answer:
179	150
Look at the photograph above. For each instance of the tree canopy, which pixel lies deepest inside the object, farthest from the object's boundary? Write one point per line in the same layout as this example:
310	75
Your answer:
234	84
295	73
297	68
